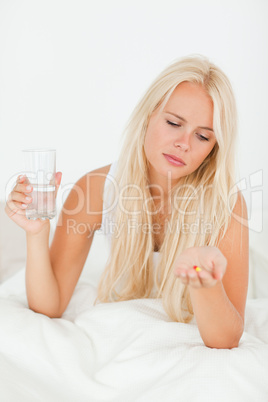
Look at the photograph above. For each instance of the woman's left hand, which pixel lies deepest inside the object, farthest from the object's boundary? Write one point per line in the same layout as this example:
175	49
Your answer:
211	261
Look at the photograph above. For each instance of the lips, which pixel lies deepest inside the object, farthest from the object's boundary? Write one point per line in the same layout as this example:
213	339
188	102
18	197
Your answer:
175	158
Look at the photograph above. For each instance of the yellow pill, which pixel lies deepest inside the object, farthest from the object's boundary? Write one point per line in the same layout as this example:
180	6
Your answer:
197	268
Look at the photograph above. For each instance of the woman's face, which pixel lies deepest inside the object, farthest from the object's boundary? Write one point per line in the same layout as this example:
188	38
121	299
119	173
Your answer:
184	130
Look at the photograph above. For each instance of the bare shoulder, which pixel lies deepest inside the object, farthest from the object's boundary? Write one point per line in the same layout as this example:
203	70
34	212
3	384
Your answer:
241	206
93	182
92	187
104	169
85	200
99	174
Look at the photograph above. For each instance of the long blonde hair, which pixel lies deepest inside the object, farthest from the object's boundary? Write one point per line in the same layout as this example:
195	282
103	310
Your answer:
129	272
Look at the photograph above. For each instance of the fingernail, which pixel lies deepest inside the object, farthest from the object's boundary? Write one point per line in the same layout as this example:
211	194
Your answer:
28	188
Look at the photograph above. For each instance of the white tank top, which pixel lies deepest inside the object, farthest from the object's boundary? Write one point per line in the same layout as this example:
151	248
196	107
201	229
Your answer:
108	225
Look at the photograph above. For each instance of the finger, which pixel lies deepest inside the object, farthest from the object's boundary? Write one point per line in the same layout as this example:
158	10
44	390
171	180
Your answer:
181	273
184	277
213	260
181	268
55	179
217	274
20	197
194	280
58	177
20	178
220	264
13	208
206	279
23	179
23	188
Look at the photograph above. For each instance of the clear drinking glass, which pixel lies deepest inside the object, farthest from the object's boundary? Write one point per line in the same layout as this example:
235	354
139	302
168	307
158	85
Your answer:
40	169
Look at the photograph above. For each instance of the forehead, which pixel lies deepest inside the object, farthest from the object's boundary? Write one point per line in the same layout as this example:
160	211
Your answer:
191	92
191	101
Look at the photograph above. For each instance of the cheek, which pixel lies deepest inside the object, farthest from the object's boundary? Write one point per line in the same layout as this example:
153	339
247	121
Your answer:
147	146
155	136
147	141
210	149
150	138
200	157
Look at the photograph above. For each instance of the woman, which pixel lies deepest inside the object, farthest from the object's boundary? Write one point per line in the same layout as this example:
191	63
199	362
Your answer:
176	198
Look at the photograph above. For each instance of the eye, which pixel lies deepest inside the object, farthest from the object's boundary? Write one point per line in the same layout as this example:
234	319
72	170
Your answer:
173	124
202	138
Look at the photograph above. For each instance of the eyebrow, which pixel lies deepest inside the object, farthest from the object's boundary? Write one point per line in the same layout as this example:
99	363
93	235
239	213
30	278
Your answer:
182	118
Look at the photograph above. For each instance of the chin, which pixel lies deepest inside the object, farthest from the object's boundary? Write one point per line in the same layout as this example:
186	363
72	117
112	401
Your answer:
165	171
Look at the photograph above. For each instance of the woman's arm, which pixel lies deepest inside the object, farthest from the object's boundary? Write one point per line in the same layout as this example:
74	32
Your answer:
219	309
52	274
219	323
41	285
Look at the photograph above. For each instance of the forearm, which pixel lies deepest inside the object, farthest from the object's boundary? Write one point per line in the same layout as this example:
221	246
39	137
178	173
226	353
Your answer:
41	285
219	323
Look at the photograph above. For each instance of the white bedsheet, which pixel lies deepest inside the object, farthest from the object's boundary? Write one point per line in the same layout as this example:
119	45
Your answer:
126	351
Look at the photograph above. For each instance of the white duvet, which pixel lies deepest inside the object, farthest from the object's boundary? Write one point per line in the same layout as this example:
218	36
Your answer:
126	351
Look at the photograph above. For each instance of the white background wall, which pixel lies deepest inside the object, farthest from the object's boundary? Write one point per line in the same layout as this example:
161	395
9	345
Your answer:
71	72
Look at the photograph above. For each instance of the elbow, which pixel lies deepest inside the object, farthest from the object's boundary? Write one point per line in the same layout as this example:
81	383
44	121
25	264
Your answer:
222	346
224	343
229	340
49	314
57	315
51	310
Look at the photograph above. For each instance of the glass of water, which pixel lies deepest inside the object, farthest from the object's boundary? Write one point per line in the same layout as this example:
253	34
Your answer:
40	168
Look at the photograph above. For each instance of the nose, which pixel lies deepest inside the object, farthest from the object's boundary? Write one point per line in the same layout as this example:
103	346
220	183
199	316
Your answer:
182	142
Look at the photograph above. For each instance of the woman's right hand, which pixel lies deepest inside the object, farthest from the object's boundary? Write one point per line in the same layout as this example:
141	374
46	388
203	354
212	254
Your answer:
17	203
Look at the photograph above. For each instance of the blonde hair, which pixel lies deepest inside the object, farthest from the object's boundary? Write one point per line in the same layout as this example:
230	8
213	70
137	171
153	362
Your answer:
129	272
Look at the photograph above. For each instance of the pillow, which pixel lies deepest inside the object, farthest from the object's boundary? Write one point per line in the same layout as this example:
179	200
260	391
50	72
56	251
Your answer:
12	246
258	252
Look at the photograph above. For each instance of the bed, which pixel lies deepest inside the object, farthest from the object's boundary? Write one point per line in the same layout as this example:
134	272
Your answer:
126	351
